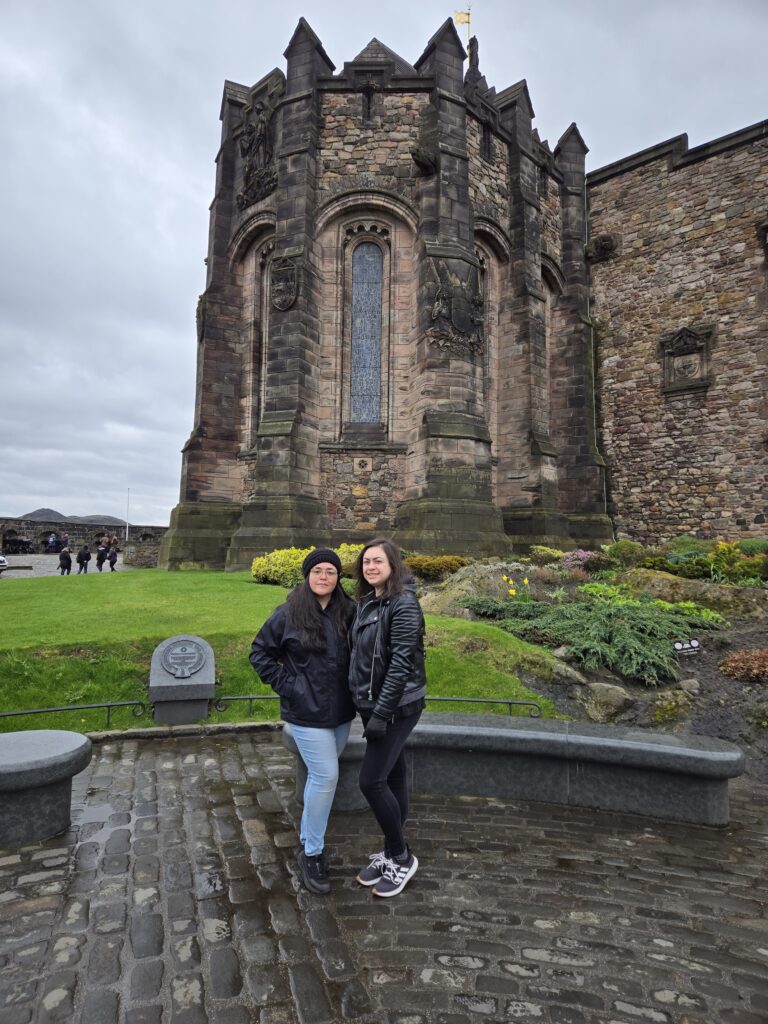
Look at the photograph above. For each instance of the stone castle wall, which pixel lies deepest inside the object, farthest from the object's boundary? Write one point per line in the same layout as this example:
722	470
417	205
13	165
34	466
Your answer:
141	548
681	315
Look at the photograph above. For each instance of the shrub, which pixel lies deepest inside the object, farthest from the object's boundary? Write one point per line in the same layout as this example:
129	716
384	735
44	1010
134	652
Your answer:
751	569
348	554
636	640
750	666
751	546
283	566
625	552
545	574
435	567
541	555
725	558
590	561
686	542
697	568
486	607
629	636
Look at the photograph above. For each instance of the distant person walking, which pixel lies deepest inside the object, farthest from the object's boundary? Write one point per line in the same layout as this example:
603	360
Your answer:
65	562
65	540
52	543
112	558
83	558
101	555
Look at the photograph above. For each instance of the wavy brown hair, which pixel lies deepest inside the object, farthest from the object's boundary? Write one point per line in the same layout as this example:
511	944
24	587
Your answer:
401	574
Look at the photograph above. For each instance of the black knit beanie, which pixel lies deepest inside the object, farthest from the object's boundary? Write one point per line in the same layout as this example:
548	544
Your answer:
320	555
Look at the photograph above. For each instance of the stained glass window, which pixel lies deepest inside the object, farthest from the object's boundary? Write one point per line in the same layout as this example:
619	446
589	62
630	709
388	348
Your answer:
365	361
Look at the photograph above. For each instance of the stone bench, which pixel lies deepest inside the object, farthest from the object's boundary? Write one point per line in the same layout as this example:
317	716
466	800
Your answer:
36	770
604	767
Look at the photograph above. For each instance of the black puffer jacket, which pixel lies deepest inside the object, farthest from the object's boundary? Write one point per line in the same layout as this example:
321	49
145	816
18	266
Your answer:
312	685
386	669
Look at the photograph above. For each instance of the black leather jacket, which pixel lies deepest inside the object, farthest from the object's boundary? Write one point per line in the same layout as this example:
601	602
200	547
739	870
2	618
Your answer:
386	669
312	685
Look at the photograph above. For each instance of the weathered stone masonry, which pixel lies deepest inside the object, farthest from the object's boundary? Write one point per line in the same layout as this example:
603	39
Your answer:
680	303
395	335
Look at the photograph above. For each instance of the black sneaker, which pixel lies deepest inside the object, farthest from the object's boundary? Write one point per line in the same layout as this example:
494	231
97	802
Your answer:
395	877
372	872
314	873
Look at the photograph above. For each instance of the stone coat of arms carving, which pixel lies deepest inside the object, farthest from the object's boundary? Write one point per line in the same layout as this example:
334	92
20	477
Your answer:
457	312
686	359
284	282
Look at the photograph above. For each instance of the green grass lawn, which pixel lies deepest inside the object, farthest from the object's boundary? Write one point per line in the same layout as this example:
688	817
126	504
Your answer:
84	640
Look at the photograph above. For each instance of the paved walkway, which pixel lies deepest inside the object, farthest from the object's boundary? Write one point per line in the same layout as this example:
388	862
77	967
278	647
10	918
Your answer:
48	565
173	900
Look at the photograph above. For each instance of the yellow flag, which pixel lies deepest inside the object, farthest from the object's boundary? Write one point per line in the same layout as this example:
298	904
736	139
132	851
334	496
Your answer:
461	17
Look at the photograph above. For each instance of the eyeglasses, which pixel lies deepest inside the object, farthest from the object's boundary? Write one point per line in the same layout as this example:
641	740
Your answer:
323	572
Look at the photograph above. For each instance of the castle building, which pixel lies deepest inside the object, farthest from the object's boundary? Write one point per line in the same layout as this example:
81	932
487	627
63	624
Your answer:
422	321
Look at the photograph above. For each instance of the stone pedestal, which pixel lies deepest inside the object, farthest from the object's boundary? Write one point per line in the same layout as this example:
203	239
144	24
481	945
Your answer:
182	680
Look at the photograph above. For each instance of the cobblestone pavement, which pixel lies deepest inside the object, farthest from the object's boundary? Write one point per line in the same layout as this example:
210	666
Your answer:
173	900
48	565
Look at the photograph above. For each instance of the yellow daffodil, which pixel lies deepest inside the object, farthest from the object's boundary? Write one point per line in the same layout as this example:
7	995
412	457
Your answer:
525	581
512	592
505	578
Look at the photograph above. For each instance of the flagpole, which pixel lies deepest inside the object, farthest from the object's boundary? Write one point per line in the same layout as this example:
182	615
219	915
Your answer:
127	506
464	18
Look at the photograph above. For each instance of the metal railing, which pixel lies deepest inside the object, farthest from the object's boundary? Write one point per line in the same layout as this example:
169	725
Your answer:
139	709
220	704
534	712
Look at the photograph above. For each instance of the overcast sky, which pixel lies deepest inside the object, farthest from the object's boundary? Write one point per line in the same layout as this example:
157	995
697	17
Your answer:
108	132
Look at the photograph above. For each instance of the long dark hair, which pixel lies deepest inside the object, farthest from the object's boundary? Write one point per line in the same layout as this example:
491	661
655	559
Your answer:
401	574
306	615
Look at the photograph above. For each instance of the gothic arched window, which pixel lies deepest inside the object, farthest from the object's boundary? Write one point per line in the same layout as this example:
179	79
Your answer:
365	335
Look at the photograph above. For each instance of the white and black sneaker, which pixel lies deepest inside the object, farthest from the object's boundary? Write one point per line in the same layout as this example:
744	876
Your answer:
396	876
372	872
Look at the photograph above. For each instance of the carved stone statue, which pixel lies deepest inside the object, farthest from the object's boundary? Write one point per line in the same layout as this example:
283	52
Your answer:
257	151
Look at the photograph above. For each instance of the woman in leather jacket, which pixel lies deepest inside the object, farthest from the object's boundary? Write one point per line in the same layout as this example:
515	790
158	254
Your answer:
388	684
302	652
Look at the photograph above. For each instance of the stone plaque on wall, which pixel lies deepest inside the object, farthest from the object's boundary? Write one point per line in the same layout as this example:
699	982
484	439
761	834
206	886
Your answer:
686	355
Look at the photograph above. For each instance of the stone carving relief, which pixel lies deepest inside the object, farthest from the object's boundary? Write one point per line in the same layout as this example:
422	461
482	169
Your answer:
601	248
686	356
257	148
427	158
457	311
284	282
366	228
200	313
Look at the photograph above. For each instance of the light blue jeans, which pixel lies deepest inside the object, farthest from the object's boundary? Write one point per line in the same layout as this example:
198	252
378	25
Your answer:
319	749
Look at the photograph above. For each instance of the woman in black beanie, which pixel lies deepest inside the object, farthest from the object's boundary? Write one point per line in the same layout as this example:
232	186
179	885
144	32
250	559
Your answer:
301	651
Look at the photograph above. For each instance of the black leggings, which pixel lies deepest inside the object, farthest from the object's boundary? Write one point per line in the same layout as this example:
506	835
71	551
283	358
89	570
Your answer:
384	781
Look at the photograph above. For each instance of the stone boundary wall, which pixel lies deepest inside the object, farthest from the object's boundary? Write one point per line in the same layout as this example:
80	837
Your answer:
141	548
679	303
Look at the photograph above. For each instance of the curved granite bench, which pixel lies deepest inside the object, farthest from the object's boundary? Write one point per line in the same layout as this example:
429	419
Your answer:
36	770
604	767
